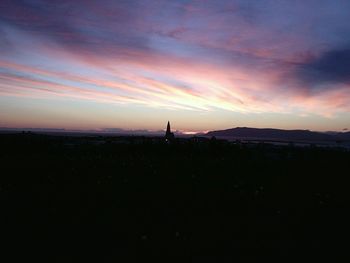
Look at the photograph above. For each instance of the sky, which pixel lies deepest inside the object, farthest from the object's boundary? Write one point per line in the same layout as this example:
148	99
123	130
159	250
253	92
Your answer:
202	64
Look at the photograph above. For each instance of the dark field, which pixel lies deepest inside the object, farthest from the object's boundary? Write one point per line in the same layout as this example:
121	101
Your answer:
187	202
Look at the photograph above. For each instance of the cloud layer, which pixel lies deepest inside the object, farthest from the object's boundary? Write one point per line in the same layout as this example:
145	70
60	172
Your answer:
240	56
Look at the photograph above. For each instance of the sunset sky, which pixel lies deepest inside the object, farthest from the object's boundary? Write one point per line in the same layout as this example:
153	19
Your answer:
203	65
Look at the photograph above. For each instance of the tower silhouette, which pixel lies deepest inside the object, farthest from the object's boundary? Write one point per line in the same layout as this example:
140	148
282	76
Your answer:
168	134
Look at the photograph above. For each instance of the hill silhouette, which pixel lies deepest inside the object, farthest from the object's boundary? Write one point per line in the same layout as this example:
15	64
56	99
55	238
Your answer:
279	134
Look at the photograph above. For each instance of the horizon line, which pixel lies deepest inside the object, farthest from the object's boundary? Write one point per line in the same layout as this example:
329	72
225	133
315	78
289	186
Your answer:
151	131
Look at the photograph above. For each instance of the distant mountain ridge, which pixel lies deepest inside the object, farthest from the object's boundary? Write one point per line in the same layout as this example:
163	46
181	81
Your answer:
279	134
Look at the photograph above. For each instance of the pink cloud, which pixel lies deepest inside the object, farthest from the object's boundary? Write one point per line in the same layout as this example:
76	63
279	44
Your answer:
170	81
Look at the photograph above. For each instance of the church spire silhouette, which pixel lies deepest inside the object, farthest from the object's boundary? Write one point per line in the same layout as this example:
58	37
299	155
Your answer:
168	130
168	134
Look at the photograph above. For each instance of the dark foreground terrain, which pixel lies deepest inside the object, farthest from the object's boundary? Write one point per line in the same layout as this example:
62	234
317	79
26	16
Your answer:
79	198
